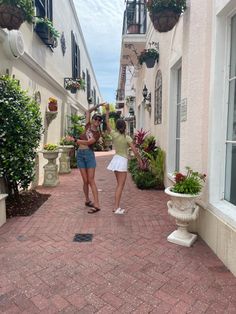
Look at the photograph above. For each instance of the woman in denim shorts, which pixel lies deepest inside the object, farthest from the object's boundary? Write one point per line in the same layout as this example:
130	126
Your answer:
86	161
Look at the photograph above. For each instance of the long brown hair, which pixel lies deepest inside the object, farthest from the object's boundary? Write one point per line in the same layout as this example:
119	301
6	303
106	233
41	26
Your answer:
121	126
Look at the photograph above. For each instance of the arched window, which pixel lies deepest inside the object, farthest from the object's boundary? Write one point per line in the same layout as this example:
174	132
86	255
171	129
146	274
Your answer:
158	99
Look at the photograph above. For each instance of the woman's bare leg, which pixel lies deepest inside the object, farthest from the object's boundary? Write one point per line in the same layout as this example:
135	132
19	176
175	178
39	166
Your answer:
91	182
84	175
120	178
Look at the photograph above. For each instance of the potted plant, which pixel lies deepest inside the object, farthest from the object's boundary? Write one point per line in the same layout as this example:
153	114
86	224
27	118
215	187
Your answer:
46	31
14	12
50	152
149	56
182	205
52	104
74	84
164	14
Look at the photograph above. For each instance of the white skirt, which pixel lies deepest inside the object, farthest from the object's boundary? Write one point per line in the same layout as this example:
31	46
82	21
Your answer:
118	163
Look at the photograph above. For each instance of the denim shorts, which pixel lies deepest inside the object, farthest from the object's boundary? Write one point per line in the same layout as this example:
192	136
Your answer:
86	158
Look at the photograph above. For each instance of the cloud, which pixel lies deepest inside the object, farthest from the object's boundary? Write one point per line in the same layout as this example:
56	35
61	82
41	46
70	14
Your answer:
101	22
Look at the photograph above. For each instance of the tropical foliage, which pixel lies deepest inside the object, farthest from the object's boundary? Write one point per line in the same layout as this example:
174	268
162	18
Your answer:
150	174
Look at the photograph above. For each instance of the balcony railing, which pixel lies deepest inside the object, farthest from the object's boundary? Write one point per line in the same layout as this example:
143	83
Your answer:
135	17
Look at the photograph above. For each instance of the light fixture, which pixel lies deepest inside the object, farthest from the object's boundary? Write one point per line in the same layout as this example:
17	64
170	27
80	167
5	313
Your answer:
146	96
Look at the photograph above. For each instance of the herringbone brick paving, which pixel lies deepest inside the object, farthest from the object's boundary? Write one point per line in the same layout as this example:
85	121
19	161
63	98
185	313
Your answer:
129	267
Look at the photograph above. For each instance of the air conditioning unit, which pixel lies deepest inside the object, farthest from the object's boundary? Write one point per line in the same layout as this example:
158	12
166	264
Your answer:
13	44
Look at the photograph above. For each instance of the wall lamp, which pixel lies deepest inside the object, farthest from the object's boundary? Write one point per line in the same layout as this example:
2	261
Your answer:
146	96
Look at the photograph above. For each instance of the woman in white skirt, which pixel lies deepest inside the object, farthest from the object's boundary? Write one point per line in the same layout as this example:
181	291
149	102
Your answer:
119	163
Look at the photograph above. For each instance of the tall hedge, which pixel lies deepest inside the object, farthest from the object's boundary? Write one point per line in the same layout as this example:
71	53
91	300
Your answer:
20	133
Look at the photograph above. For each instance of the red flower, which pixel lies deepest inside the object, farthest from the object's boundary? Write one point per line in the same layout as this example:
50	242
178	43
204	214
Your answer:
179	177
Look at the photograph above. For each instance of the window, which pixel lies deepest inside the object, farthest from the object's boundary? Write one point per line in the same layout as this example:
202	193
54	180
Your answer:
178	104
173	162
94	96
230	174
88	84
75	57
158	99
44	8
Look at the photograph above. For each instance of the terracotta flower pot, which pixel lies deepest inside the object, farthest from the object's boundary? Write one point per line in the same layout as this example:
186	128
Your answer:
52	106
11	17
165	20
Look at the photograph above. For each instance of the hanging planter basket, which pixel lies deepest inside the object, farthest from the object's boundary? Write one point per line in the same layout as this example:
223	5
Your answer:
164	20
11	17
150	62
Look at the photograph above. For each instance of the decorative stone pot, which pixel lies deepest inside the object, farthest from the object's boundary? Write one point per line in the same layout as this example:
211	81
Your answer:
183	208
51	177
164	20
11	17
65	158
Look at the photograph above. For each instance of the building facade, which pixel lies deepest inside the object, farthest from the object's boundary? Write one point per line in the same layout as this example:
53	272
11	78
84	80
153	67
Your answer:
42	68
190	105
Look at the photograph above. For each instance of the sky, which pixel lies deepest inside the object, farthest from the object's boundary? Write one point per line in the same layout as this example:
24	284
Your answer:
101	22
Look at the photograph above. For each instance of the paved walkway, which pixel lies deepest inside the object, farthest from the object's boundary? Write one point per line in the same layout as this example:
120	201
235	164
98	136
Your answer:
129	267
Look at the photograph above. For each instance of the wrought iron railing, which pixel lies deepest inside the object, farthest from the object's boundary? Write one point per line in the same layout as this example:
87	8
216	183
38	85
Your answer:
135	17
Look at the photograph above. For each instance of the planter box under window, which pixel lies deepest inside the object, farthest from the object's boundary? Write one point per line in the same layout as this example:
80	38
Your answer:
45	35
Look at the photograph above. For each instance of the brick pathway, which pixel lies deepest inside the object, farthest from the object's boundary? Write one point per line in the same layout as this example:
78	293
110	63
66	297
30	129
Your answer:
129	267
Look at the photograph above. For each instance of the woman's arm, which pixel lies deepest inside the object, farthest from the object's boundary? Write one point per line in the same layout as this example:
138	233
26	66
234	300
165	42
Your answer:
107	118
136	153
86	142
88	112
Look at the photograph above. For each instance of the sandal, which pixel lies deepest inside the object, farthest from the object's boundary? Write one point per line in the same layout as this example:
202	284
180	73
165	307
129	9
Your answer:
94	210
89	204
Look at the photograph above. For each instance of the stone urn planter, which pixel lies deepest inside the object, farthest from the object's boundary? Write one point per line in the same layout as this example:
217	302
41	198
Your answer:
64	166
183	208
51	177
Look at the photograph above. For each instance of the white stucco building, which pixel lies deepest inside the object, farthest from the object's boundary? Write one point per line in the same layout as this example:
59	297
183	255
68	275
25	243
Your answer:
193	106
41	69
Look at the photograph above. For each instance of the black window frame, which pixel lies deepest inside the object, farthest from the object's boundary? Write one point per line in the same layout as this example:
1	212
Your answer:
44	9
88	79
75	57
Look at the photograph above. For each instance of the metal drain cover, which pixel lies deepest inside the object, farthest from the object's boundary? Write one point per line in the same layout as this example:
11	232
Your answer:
83	237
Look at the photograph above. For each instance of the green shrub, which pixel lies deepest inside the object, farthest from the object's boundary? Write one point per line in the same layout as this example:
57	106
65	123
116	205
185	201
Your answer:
20	133
145	180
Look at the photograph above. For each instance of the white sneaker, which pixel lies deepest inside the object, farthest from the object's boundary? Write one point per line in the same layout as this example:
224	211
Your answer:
120	211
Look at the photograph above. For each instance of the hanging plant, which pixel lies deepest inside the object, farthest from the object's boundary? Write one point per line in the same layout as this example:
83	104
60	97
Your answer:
165	14
14	12
149	56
